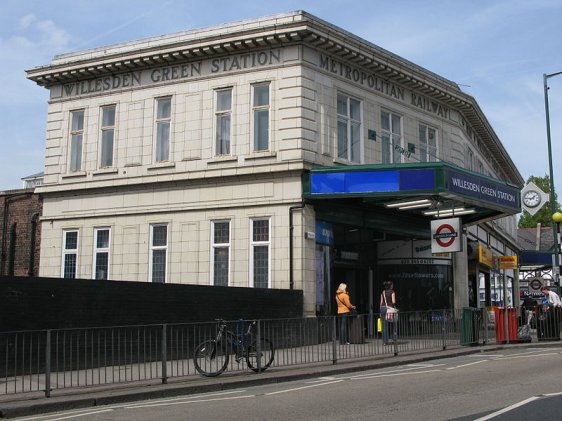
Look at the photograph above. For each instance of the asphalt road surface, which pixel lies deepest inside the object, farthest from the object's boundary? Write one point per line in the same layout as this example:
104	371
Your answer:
514	384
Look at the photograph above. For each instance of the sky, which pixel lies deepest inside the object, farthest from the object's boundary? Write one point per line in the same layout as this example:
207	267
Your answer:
496	50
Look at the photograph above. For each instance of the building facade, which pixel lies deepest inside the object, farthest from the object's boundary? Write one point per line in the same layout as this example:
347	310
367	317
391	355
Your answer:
20	232
210	156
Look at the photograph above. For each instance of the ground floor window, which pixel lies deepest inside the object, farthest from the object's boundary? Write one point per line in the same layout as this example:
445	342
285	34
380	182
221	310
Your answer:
69	254
101	253
220	253
260	252
158	252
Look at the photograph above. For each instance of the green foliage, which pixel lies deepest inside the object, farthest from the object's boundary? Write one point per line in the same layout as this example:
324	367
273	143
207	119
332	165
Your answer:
544	216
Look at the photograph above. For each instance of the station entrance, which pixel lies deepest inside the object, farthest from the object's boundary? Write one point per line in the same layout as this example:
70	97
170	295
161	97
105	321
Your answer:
365	258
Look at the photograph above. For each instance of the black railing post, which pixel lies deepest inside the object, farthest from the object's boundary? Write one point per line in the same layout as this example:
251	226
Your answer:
443	332
258	346
164	350
334	347
48	364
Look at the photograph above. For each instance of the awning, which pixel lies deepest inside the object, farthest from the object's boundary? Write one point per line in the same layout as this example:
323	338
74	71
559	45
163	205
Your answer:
425	190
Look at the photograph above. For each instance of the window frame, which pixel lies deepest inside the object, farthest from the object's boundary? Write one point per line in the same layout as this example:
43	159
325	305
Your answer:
220	114
258	243
97	250
105	129
431	152
69	252
469	158
76	160
391	134
352	126
257	109
153	248
227	246
161	121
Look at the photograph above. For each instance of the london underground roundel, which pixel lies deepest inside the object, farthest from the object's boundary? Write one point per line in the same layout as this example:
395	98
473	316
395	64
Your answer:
446	235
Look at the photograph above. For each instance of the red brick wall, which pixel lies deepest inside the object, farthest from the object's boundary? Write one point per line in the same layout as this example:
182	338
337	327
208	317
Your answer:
19	207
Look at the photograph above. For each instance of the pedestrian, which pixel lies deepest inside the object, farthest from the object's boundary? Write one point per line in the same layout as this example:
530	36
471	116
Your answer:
388	300
553	312
344	308
528	308
552	297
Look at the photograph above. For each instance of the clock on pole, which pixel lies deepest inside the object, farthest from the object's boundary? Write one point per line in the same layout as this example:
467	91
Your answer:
533	198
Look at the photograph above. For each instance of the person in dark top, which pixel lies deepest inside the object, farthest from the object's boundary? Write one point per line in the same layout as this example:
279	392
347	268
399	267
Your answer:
388	299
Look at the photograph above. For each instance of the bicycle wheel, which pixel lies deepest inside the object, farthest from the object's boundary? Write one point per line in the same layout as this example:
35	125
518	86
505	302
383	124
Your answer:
210	358
267	353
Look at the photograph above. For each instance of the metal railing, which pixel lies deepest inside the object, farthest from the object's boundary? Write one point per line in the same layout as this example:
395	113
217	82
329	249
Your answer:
47	360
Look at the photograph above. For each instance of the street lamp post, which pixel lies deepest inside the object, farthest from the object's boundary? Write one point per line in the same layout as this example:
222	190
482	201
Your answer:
557	218
555	225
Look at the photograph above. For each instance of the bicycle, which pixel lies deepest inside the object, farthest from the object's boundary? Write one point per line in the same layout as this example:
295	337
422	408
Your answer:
211	356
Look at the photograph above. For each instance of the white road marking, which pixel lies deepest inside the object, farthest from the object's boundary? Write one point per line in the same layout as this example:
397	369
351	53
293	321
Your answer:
409	373
301	388
507	409
513	357
548	395
187	401
424	365
321	379
75	415
369	375
466	365
200	396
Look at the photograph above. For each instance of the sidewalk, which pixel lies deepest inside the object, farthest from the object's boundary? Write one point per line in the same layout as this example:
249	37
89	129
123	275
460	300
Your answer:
64	399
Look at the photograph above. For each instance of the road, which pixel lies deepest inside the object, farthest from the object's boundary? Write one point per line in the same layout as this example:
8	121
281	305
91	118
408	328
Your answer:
513	384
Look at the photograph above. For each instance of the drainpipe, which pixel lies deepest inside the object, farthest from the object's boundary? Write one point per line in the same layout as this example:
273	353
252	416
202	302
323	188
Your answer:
31	267
291	228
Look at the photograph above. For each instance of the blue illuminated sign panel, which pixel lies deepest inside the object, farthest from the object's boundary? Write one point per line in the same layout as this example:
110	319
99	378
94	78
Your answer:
371	181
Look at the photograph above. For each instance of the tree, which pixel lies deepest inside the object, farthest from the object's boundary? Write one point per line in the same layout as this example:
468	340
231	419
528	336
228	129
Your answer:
544	216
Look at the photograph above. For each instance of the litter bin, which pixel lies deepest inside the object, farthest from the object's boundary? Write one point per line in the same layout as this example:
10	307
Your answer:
470	326
511	325
356	330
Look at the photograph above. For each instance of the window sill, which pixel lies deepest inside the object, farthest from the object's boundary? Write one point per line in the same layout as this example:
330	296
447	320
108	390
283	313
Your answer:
76	174
342	161
223	159
105	171
161	166
260	155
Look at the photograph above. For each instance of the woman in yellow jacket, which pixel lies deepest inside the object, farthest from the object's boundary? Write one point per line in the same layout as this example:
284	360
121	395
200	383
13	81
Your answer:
344	308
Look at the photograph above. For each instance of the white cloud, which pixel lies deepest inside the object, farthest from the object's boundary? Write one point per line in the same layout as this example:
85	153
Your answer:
33	42
27	20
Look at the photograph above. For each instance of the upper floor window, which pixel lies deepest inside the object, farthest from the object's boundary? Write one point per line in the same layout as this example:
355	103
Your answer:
101	253
260	252
158	252
391	135
261	116
69	254
469	159
349	128
220	252
76	139
163	122
223	114
107	136
428	144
